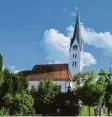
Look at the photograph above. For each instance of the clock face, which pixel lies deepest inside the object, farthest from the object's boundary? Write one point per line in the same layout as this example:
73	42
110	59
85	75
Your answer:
75	47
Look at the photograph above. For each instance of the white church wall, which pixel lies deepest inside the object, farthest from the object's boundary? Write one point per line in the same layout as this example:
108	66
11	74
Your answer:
79	59
64	84
33	83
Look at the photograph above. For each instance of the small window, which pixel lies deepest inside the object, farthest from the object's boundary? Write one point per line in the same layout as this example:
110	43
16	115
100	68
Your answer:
75	55
75	63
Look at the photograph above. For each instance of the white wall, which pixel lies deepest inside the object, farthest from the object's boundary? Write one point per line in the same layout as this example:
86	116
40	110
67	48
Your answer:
64	85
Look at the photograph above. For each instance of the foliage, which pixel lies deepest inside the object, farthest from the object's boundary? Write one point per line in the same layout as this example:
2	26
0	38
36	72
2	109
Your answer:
13	82
80	78
91	92
84	111
108	87
1	62
7	99
4	112
92	88
92	77
34	92
1	72
47	91
1	81
20	104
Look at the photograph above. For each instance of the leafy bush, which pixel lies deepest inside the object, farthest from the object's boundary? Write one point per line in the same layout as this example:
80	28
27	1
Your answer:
92	111
4	111
84	111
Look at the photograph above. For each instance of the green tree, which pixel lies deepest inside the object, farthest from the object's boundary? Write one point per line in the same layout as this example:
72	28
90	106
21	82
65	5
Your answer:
1	74
80	78
92	92
13	82
108	87
47	91
7	82
20	82
92	77
1	62
20	103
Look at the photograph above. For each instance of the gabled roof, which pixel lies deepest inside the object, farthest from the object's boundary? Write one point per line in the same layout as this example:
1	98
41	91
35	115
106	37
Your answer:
25	72
37	69
77	33
57	72
55	76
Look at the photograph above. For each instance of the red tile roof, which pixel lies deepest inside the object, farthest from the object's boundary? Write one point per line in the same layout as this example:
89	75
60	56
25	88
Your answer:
59	72
57	76
25	72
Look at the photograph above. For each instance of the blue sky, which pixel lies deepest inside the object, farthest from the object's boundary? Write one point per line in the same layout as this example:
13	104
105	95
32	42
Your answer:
26	27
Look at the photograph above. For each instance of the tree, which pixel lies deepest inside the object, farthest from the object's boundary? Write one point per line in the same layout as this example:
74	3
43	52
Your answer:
108	88
1	73
20	82
20	103
82	78
7	85
92	92
47	91
1	62
13	82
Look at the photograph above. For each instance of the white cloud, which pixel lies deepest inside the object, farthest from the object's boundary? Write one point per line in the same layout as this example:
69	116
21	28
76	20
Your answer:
16	71
89	59
91	37
69	31
56	42
13	69
50	61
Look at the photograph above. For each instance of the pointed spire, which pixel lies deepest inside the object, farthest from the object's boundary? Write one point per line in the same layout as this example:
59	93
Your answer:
78	19
77	32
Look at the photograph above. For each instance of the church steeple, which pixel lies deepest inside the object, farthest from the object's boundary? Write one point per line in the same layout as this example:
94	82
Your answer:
77	33
76	50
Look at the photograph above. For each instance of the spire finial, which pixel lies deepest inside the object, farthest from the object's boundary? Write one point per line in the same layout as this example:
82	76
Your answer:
77	11
77	18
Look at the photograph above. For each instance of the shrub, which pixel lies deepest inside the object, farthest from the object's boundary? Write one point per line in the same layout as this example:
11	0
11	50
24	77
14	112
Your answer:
84	111
4	111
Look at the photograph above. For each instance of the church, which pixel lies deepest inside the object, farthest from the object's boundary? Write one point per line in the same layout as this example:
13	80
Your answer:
61	74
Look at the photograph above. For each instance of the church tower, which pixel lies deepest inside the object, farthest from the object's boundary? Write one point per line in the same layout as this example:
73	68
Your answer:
76	50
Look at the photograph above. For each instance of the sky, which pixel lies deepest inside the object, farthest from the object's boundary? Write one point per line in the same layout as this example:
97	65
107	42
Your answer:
39	32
